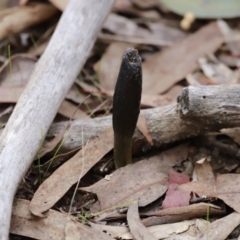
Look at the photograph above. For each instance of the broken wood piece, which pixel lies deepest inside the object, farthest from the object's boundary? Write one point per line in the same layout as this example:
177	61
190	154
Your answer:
193	115
211	105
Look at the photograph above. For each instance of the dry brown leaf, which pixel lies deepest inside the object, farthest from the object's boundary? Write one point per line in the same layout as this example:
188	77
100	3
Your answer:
109	65
191	227
114	231
55	161
165	33
202	171
158	100
171	157
129	31
14	75
49	146
78	231
185	230
71	111
216	71
67	109
16	70
224	187
143	128
124	26
122	4
164	69
198	78
155	100
231	37
17	19
229	60
178	214
145	4
10	94
126	7
55	226
53	188
60	4
137	229
25	224
132	40
233	133
144	181
221	228
75	95
167	98
23	2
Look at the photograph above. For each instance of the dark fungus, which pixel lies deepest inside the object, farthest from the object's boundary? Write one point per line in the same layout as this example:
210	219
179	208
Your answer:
126	106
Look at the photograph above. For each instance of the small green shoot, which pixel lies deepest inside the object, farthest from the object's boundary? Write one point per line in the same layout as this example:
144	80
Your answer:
39	158
84	217
9	58
112	208
55	154
208	219
34	43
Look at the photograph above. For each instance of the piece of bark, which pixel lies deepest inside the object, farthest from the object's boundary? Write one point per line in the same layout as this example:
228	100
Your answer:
168	124
49	83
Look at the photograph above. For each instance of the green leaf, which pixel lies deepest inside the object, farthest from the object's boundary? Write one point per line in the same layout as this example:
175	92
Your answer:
205	8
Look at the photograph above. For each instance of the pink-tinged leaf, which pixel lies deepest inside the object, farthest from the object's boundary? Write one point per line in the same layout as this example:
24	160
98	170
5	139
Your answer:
175	198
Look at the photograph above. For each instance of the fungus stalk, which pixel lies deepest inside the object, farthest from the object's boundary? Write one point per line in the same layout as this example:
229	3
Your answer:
126	106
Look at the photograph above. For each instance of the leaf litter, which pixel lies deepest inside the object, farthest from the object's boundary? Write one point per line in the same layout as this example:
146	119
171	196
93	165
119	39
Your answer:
172	59
53	188
56	225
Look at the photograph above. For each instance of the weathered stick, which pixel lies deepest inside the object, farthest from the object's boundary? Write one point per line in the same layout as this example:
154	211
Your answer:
211	105
200	110
50	81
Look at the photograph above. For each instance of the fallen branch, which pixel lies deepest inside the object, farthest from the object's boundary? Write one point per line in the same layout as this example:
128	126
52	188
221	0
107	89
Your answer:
50	81
200	110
